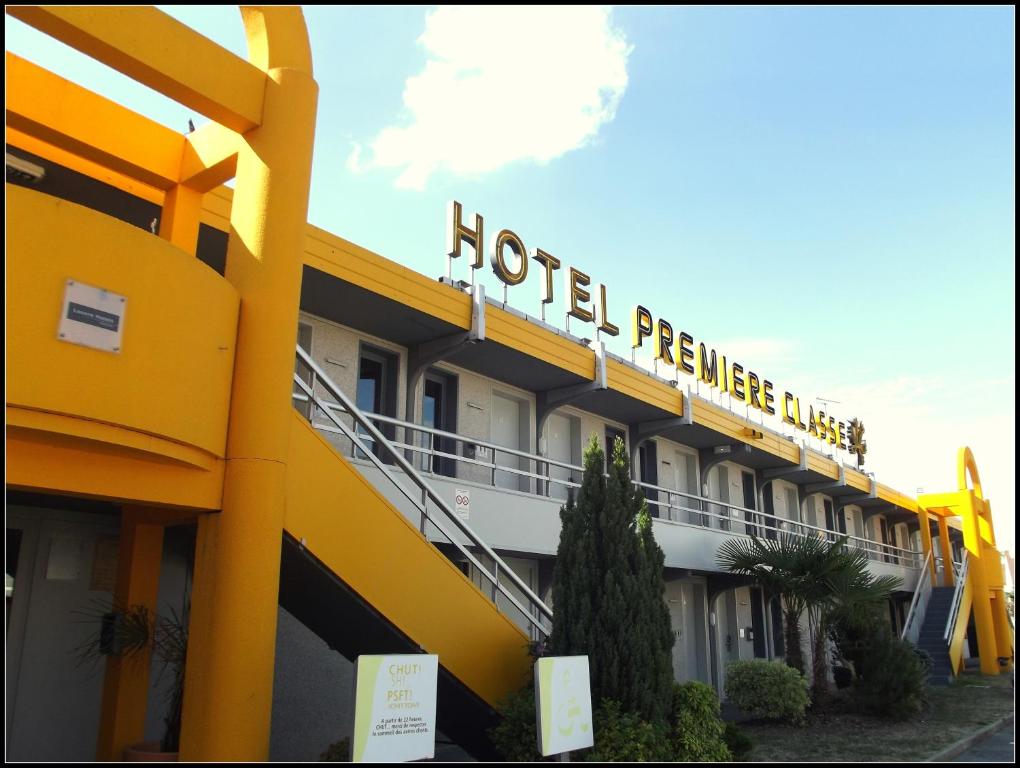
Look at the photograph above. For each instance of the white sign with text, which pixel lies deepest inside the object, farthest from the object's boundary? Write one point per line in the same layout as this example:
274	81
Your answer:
394	708
92	317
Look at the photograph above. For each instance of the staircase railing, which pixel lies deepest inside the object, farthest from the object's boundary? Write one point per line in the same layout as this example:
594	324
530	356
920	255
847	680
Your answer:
919	605
372	442
954	608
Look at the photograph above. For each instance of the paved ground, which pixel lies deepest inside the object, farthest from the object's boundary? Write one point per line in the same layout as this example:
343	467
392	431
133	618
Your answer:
997	748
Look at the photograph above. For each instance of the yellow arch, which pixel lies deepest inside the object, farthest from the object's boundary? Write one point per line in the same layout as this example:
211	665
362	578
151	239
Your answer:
965	465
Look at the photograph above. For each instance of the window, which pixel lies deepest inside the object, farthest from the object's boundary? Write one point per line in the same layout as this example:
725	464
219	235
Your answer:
377	392
649	473
611	434
769	506
439	411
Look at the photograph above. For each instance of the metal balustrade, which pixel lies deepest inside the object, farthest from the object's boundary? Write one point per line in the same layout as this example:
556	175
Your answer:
535	474
919	605
370	443
954	608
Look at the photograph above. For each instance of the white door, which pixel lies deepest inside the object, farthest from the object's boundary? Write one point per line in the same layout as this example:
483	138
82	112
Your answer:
792	507
719	488
557	437
673	469
506	421
65	564
683	607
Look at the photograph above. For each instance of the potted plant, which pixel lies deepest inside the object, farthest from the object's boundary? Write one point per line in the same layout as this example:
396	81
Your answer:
136	635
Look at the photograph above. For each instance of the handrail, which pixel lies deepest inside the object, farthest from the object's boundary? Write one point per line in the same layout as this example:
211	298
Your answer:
918	606
702	507
427	493
954	608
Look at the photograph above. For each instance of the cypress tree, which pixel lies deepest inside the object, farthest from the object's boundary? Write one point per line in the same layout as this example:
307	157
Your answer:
573	588
608	590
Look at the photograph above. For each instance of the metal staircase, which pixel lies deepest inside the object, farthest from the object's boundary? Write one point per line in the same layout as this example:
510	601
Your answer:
366	579
932	639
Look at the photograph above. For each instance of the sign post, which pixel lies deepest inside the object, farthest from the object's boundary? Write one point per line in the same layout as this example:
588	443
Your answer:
395	708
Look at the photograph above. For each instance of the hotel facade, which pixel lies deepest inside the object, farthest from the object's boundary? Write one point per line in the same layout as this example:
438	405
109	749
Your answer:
313	452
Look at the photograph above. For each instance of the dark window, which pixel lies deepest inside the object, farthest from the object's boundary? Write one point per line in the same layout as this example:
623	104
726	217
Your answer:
648	464
611	434
770	510
830	519
377	391
439	411
883	533
778	644
758	623
748	481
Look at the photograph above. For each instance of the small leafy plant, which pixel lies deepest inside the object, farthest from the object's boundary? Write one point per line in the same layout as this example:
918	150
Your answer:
769	690
134	634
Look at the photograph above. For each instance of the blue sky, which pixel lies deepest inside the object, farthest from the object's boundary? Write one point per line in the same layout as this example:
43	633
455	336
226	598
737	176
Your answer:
825	193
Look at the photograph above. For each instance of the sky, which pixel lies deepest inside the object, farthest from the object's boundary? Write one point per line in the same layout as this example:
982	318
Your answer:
825	194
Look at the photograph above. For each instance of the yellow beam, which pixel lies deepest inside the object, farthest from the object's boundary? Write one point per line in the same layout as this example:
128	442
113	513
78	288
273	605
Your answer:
942	504
83	123
210	157
158	51
126	685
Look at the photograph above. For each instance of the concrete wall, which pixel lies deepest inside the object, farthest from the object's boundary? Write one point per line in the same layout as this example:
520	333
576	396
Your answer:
313	694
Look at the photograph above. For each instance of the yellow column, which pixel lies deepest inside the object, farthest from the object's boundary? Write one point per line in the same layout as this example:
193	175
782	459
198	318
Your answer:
1003	635
231	652
995	580
926	541
983	622
179	220
947	553
126	684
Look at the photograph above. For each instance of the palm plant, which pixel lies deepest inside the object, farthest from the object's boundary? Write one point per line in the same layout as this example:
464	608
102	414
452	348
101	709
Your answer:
136	635
828	580
783	566
856	599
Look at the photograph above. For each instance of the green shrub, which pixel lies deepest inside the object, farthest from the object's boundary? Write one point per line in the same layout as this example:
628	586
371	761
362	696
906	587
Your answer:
697	729
739	743
625	737
892	681
516	737
769	690
337	752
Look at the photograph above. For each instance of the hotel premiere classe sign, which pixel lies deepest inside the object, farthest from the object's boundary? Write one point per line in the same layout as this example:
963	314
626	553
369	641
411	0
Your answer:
509	260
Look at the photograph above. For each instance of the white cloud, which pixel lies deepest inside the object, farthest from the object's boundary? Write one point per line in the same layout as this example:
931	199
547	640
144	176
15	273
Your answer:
502	85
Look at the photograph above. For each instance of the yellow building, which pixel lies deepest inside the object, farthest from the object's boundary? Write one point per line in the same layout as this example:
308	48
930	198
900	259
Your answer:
162	447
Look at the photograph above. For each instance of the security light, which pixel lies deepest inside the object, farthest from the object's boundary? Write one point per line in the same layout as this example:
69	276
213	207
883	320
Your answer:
23	169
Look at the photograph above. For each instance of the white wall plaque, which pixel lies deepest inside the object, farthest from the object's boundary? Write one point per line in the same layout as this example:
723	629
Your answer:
92	317
462	503
563	701
395	708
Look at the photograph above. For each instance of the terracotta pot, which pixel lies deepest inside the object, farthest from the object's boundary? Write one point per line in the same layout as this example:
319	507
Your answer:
148	752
